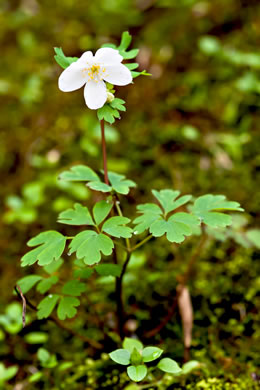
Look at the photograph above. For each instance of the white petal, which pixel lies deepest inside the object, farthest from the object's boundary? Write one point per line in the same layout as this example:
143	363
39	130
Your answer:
72	78
107	55
118	74
86	57
95	94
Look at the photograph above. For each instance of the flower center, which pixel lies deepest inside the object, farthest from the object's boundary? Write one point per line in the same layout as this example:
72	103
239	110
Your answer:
94	72
95	69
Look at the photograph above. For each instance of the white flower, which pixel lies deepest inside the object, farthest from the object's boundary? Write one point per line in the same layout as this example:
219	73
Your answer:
92	70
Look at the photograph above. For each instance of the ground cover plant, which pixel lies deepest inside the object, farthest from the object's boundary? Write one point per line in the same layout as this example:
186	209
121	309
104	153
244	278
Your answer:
136	280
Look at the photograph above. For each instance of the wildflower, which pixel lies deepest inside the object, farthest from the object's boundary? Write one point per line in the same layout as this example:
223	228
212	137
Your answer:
93	71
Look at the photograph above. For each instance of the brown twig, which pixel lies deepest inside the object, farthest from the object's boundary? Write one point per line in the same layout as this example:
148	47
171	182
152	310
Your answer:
19	292
93	343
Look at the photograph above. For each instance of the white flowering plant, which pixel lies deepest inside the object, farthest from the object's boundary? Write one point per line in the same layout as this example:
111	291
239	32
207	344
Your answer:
103	238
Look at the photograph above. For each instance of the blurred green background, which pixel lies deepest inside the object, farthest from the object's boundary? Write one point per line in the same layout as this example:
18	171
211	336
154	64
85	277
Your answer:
192	126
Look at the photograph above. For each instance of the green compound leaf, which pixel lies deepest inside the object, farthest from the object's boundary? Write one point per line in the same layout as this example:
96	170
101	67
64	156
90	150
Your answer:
137	373
74	288
27	282
101	211
61	59
118	104
114	226
46	306
46	284
130	344
66	308
208	208
89	245
167	199
51	246
77	216
151	353
119	183
108	113
120	356
151	213
169	365
79	173
176	228
108	269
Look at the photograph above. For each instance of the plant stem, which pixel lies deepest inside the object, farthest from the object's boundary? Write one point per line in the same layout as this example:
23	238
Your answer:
119	297
141	242
118	208
104	152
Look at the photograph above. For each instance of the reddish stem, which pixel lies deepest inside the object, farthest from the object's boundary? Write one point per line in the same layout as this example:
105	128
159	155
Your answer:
104	152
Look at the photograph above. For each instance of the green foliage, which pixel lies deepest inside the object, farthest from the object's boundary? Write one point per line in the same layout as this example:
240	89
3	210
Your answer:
101	211
74	288
47	305
51	246
121	356
137	373
118	182
11	320
169	365
61	59
66	307
89	245
208	208
46	359
114	226
151	353
134	355
108	269
180	224
36	338
167	199
27	282
176	227
77	216
47	283
79	173
108	113
7	373
129	344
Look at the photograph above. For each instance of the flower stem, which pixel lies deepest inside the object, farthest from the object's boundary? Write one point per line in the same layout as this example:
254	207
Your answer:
104	152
